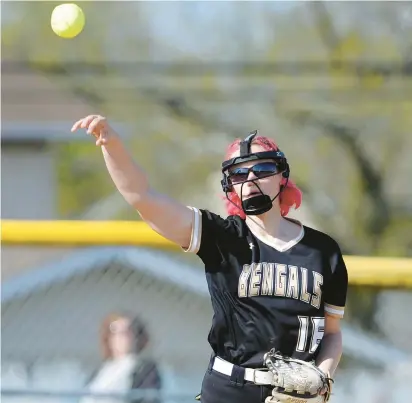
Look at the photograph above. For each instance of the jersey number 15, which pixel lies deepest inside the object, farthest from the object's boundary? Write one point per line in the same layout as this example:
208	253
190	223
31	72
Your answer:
311	328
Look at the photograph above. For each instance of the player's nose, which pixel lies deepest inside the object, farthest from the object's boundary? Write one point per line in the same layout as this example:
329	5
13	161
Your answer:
252	176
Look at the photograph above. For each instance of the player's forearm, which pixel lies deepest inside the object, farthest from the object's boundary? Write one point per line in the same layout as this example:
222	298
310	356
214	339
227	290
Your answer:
129	178
330	352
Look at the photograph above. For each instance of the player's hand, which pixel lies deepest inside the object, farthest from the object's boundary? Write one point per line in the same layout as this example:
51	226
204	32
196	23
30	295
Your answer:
98	127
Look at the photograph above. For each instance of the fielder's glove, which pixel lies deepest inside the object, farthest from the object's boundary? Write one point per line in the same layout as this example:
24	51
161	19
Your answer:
296	381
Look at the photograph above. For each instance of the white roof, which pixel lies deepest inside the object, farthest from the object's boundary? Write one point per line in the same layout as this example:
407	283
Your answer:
159	265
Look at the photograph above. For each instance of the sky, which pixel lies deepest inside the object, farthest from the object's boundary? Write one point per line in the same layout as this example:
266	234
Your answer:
166	22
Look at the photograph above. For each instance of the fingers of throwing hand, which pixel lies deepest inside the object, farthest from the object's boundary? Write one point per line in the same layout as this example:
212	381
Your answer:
77	125
84	123
102	139
95	125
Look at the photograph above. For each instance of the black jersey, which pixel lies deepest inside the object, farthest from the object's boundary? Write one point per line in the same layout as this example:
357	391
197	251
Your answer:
277	301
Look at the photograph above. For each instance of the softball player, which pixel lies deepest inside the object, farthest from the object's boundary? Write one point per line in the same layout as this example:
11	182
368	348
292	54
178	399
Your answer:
278	288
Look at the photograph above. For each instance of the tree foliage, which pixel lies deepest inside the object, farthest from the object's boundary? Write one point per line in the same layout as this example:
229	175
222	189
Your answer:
333	88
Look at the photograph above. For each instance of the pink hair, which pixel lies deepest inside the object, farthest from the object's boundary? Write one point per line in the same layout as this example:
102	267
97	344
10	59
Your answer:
290	196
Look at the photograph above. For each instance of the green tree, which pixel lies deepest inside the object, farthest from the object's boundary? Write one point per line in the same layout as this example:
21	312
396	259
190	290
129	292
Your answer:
334	93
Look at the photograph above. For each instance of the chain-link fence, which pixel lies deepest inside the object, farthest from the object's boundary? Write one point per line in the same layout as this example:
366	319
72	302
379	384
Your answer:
55	310
52	318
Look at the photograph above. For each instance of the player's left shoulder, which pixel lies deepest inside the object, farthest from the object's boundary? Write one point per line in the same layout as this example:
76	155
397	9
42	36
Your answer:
327	250
320	240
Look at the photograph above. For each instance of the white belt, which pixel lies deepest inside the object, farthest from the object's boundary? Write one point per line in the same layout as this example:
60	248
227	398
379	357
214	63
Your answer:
256	376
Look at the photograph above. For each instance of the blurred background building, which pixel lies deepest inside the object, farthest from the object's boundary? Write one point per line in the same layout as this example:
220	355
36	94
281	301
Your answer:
330	82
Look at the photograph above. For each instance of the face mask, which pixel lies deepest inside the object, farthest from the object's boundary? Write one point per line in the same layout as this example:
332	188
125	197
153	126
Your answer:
261	203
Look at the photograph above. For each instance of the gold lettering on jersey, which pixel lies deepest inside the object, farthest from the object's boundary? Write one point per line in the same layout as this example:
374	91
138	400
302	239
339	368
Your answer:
254	284
317	290
304	295
243	279
268	270
293	283
280	280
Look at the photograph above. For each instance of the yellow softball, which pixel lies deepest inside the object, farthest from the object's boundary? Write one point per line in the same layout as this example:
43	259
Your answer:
67	20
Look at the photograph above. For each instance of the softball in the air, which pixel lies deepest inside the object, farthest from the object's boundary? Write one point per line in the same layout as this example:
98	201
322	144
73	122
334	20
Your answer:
67	20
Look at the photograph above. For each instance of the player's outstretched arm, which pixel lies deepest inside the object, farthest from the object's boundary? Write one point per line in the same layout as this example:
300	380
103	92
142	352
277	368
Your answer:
164	215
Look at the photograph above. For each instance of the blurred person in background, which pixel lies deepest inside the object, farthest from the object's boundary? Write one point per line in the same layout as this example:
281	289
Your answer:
278	288
125	366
